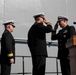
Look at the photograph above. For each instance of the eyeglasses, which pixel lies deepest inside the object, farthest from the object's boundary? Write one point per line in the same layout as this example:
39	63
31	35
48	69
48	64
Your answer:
13	25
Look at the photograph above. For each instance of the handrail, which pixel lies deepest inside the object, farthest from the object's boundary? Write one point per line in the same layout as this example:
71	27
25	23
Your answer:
24	41
31	73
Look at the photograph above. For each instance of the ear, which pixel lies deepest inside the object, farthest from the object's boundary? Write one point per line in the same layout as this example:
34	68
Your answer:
8	26
37	19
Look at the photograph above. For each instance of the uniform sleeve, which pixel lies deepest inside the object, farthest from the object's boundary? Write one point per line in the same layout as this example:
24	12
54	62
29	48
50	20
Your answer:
72	30
8	43
45	29
54	36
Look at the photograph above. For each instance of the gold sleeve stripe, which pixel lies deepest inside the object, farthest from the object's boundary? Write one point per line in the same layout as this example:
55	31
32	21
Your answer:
10	55
48	23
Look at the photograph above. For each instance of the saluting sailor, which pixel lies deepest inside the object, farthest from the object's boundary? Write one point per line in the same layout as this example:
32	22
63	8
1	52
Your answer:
37	43
7	48
62	36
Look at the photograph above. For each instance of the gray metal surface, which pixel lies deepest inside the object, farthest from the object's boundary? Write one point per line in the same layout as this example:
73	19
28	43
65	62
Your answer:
22	11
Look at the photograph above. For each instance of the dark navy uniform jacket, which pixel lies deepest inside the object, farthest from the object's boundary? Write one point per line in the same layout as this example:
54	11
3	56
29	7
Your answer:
37	38
62	36
7	47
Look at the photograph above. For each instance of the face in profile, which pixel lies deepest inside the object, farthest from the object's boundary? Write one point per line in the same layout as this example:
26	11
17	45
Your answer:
11	28
62	23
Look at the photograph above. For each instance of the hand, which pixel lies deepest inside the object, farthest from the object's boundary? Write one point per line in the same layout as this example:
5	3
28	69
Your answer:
46	21
56	26
12	61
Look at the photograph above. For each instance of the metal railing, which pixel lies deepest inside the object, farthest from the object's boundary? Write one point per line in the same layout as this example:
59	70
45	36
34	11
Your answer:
24	41
23	63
